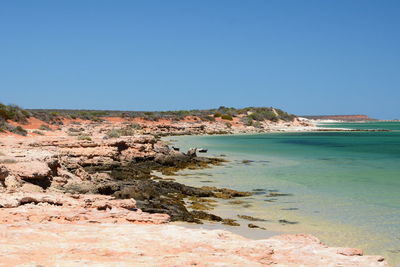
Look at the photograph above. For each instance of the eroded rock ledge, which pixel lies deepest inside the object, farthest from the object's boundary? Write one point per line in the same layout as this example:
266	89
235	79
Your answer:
68	208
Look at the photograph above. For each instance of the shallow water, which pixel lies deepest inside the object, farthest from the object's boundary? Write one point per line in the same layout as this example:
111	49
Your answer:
344	187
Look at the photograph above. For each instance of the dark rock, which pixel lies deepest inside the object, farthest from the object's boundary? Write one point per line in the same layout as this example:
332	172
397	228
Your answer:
172	158
192	153
174	208
225	193
287	222
251	218
205	216
230	222
277	194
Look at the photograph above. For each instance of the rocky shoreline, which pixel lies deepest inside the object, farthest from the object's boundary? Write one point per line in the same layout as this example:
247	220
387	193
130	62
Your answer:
94	179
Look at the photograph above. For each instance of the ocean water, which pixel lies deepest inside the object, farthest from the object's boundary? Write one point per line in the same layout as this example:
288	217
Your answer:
343	187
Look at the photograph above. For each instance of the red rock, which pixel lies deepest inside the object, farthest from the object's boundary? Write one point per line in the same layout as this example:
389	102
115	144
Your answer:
350	251
29	170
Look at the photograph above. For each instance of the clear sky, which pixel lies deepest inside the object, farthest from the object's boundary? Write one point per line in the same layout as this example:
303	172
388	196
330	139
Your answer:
306	57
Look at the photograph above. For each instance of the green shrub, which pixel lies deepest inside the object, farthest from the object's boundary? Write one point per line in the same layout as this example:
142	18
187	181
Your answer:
75	130
113	133
134	126
45	127
38	132
128	130
73	134
14	113
84	137
18	130
217	115
247	121
206	118
257	124
226	117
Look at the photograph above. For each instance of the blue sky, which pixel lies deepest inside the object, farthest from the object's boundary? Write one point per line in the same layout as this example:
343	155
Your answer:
307	57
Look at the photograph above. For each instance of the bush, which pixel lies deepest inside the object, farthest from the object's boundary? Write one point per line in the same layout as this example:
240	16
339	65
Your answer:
73	134
128	130
257	124
247	121
48	117
19	130
113	133
226	117
14	113
134	126
84	137
5	127
217	115
75	130
206	118
38	132
44	127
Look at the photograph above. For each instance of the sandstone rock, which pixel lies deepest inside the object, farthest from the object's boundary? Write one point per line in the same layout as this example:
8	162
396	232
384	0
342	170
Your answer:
81	173
31	188
63	208
29	170
158	245
12	183
90	152
81	187
350	251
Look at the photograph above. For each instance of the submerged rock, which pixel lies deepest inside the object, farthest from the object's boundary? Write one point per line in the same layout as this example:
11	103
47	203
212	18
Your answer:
225	193
230	222
251	218
287	222
198	214
250	225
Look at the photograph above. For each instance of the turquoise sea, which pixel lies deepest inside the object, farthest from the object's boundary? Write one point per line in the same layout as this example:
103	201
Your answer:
343	187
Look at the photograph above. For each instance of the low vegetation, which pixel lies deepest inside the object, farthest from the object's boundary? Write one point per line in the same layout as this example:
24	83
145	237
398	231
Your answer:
6	127
226	117
44	127
38	132
128	130
84	137
250	116
14	113
226	113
